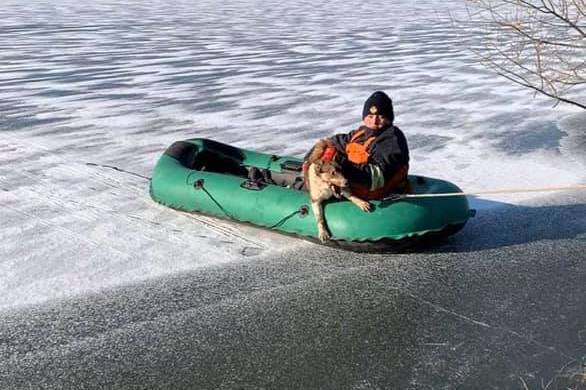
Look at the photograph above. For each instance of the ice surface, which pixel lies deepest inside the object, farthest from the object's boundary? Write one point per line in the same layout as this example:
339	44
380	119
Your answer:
109	83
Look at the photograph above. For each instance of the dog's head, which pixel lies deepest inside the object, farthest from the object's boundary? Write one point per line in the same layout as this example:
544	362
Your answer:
331	173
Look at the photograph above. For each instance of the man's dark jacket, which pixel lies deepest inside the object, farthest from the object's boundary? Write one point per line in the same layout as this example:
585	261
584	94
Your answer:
388	154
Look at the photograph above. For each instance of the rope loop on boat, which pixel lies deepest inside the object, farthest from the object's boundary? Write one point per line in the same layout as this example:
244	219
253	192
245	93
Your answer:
302	211
199	185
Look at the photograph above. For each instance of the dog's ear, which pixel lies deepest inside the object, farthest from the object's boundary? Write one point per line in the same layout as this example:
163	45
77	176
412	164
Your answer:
330	167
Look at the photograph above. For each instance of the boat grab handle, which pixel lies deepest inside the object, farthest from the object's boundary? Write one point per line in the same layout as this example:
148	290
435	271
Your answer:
253	185
289	165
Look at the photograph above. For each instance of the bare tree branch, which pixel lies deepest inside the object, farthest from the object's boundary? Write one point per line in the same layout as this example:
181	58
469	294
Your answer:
550	9
536	39
539	44
528	85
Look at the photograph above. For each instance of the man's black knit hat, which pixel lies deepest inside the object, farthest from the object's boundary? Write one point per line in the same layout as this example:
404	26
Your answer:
379	104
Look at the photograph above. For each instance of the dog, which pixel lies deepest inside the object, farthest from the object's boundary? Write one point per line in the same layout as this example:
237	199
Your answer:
324	179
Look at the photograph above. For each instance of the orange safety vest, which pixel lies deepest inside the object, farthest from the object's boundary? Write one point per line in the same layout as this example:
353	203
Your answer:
358	154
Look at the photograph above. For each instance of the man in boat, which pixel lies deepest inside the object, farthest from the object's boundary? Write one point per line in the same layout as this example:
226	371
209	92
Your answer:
374	157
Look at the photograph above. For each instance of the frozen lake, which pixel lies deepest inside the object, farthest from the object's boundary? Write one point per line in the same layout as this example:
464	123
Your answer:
114	84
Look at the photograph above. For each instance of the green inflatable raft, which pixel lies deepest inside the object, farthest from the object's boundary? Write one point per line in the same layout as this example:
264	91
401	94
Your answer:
205	176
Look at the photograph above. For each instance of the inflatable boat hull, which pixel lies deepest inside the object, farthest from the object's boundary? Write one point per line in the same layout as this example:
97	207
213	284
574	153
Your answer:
205	176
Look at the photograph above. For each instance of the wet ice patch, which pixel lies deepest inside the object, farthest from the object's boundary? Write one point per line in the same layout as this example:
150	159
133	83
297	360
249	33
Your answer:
573	146
428	143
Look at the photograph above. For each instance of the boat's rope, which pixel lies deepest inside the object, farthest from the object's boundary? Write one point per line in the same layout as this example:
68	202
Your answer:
490	192
393	197
117	169
302	211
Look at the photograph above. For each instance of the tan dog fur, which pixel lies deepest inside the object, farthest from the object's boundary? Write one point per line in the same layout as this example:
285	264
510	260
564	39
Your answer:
322	179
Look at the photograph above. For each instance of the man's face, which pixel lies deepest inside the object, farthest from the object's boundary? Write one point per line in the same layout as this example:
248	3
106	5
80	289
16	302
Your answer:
376	122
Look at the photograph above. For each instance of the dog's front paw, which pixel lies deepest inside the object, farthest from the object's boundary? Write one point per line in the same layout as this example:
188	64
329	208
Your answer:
363	205
323	235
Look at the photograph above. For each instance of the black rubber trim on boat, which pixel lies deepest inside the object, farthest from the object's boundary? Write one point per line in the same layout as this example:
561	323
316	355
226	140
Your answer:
423	243
182	151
